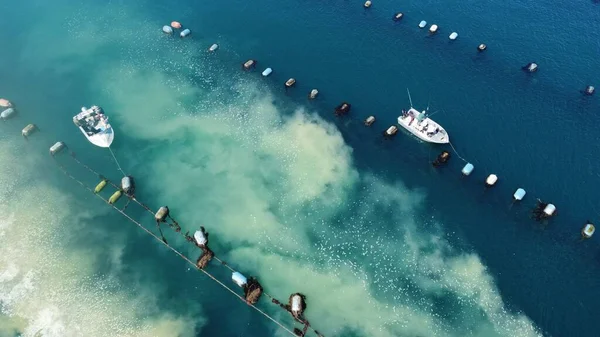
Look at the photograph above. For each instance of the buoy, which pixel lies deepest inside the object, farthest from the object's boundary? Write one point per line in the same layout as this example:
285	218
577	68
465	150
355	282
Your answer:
290	83
297	304
530	67
176	25
249	64
4	103
113	198
200	238
422	24
128	185
185	32
8	113
162	213
482	47
313	94
468	169
370	120
442	158
398	16
491	180
368	4
589	90
29	129
588	231
519	194
239	279
100	186
213	47
453	36
549	210
167	29
267	72
56	148
433	29
342	109
391	131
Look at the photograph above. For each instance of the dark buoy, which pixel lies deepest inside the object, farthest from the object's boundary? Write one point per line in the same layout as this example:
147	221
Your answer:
250	64
530	67
589	90
398	16
342	109
252	291
442	158
482	47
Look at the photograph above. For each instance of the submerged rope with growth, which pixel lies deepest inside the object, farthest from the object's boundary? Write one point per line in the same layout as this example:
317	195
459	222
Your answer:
178	253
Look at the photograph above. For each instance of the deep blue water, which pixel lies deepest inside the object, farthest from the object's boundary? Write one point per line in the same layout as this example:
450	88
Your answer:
535	131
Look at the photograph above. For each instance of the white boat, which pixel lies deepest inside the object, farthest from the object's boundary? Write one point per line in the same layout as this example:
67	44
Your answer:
422	126
94	125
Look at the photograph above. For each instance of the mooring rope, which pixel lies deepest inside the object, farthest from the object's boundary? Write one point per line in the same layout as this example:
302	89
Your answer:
185	258
116	161
175	225
458	155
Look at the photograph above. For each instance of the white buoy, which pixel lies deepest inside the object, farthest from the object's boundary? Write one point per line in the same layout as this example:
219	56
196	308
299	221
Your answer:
422	24
290	83
392	130
549	210
468	169
8	113
56	148
491	180
213	47
398	16
370	120
453	36
588	231
368	4
267	72
167	29
482	47
185	32
239	279
28	130
200	238
519	194
433	29
313	94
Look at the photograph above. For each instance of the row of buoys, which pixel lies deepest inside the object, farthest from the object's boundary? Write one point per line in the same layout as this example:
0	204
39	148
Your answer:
176	25
251	64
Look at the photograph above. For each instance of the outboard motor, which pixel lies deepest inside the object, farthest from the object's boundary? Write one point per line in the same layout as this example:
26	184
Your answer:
128	185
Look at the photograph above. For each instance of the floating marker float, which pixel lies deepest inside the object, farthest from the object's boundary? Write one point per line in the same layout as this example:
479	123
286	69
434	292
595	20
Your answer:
56	148
200	238
467	169
370	120
162	213
239	279
519	194
185	32
128	185
4	103
28	130
433	29
398	16
491	180
588	231
267	72
589	90
453	36
391	131
167	29
115	197
343	109
176	25
422	24
313	94
249	64
482	47
290	83
213	47
8	113
549	210
531	67
368	4
101	185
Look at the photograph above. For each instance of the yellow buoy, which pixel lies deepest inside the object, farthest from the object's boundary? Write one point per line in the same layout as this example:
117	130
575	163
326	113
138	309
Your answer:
100	186
113	198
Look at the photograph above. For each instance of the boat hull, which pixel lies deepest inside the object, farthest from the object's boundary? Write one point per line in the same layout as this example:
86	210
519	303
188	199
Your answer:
406	125
101	139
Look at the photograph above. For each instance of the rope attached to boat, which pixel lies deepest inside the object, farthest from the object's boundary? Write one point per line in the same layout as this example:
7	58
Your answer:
458	155
164	242
116	161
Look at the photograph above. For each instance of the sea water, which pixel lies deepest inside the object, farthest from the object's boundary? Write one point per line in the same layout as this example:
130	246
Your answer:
381	243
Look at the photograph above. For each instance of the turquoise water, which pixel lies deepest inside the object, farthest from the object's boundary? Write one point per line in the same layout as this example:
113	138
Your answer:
380	242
